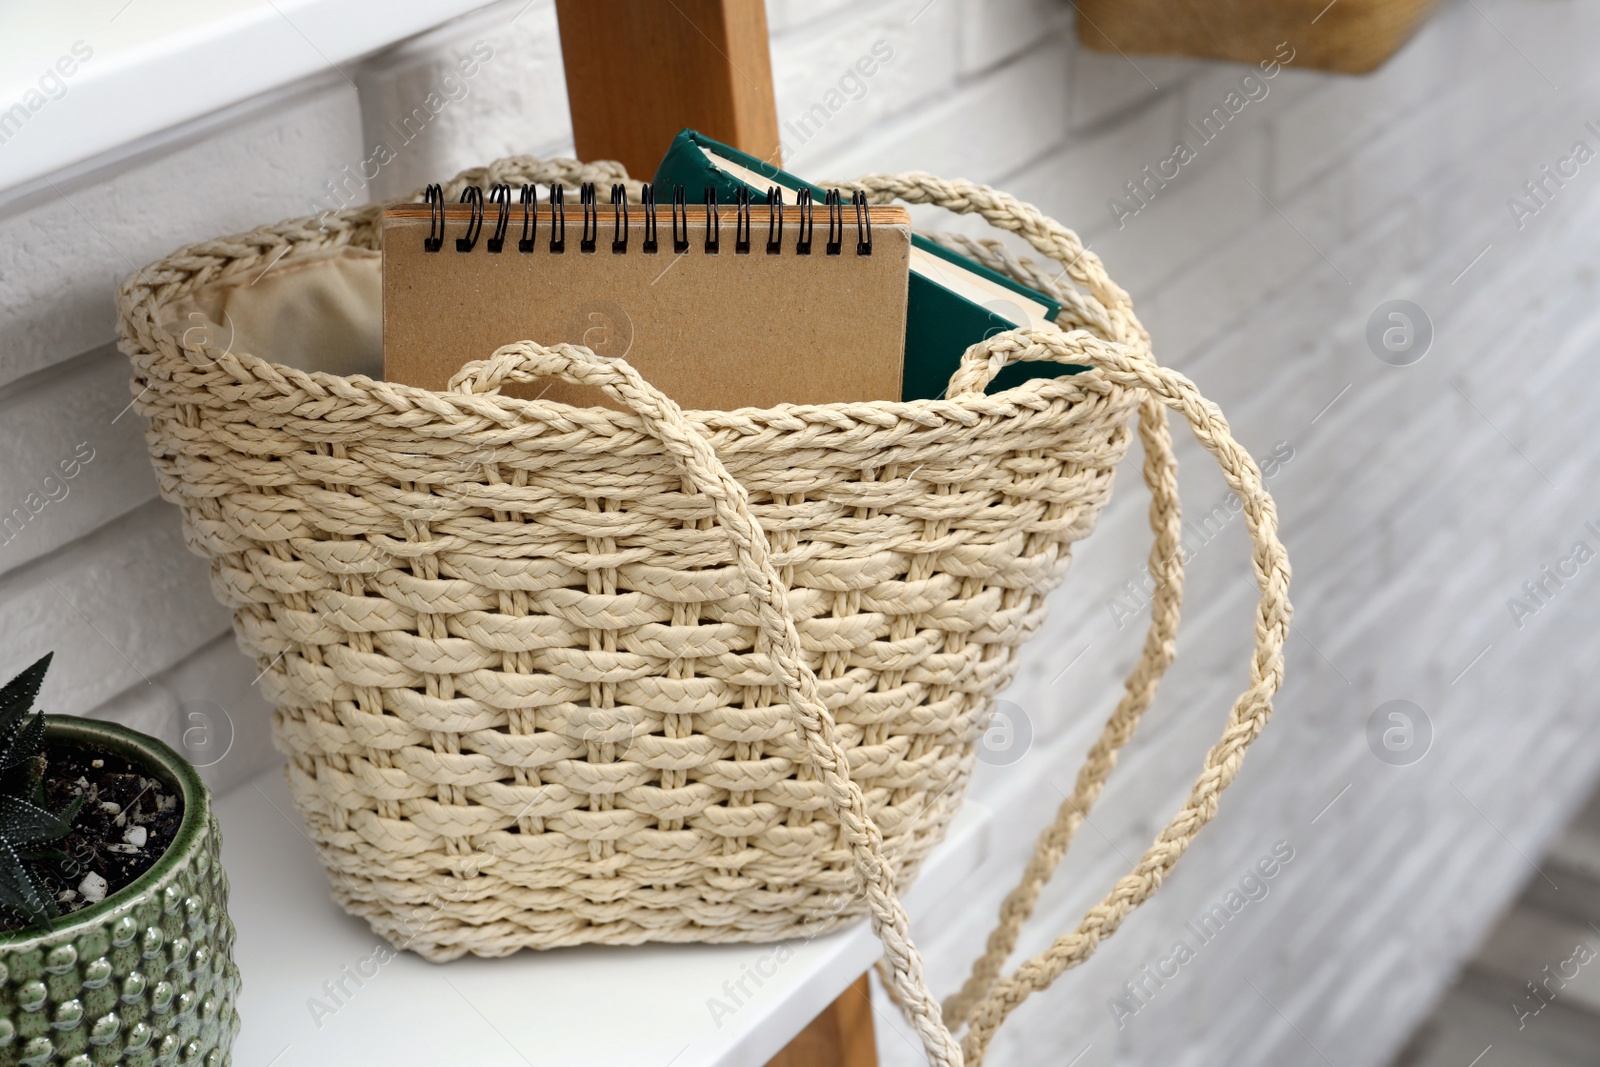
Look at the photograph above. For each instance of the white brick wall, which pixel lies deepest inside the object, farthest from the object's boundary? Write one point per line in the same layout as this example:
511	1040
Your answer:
93	566
514	101
1410	518
1415	504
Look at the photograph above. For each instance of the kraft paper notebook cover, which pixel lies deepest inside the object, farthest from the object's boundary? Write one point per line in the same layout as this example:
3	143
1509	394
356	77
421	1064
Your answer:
738	307
954	301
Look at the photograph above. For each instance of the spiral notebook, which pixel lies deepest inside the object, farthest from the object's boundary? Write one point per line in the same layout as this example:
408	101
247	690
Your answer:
718	306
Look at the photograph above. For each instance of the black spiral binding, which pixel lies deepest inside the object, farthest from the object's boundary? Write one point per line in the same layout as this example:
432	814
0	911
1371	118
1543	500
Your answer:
619	218
863	224
774	220
558	218
680	214
472	195
434	198
647	200
591	217
835	222
500	196
741	223
713	225
622	220
808	222
530	217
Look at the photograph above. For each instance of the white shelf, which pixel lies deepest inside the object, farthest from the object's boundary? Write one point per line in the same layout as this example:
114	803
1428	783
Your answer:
593	1006
153	64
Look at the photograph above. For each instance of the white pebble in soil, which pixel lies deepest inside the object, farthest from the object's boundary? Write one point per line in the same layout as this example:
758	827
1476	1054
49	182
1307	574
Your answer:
136	836
93	887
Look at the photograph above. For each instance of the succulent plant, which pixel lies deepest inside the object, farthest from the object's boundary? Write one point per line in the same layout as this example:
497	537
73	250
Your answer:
27	827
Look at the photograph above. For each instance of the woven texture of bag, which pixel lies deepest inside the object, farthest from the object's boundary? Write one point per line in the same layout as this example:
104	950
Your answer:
1346	36
549	675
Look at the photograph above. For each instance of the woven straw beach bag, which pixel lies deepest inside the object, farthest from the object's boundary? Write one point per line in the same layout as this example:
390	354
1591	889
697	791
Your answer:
549	675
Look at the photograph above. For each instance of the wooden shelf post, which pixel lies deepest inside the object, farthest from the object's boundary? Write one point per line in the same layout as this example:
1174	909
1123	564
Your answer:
638	71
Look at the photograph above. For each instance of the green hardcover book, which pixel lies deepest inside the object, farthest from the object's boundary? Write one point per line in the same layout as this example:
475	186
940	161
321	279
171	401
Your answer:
952	301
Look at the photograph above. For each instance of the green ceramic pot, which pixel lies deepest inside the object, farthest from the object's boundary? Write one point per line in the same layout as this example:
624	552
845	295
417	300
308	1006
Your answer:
145	977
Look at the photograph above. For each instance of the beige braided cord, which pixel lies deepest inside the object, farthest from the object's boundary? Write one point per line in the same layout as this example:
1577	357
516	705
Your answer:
1078	311
1166	567
796	682
1245	722
985	1000
798	685
1006	212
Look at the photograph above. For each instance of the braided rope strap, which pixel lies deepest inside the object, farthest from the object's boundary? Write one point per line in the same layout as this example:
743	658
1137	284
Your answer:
986	999
527	361
995	998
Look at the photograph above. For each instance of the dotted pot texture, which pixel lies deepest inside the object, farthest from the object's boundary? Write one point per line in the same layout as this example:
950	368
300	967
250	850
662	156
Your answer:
146	977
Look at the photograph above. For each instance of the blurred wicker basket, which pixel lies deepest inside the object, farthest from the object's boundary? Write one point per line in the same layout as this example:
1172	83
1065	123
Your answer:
1347	36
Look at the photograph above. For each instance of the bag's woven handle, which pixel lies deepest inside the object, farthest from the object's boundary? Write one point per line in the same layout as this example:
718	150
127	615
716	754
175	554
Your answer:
977	369
987	998
664	420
